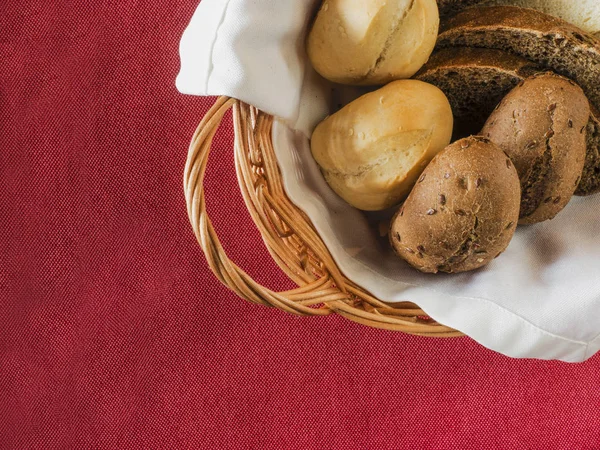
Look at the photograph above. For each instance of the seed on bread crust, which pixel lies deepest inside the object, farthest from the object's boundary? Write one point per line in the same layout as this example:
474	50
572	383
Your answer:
467	235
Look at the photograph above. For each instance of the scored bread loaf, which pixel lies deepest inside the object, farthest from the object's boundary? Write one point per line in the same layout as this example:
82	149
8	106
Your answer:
548	41
372	42
476	79
449	7
583	13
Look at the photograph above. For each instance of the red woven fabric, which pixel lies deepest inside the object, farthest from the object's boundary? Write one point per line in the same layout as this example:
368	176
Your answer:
114	334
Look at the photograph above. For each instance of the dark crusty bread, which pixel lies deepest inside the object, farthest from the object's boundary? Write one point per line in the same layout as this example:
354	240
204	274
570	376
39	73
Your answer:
463	211
476	79
541	125
449	7
548	41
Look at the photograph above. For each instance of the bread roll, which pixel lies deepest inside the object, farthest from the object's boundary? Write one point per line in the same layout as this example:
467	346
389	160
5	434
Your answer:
462	213
541	125
370	42
372	151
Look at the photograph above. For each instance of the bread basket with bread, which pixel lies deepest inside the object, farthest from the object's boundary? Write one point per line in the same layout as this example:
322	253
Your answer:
419	166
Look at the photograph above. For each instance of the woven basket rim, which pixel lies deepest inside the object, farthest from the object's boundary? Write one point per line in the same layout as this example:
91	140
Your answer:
288	233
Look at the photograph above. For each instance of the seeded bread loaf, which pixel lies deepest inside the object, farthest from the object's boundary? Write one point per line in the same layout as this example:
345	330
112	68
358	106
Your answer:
541	125
463	211
547	41
476	79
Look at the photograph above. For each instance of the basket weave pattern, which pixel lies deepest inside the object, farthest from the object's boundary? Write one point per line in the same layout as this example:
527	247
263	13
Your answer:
288	234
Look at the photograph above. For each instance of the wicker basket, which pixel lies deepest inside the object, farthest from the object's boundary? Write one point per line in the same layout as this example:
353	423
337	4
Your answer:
287	232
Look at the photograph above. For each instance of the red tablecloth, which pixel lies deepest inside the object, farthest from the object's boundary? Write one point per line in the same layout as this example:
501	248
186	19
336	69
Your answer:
114	334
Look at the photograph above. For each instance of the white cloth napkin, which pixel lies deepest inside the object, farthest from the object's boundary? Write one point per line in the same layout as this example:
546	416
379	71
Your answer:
541	299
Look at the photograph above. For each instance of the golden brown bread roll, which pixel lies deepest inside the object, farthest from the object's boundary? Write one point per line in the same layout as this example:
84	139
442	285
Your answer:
372	41
541	125
372	151
463	211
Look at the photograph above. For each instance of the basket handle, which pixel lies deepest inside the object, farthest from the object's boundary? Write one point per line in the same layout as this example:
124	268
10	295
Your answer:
298	301
323	289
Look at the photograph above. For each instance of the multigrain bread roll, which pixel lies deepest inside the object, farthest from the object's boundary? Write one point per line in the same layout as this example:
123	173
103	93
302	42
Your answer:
372	42
476	79
372	151
463	211
541	126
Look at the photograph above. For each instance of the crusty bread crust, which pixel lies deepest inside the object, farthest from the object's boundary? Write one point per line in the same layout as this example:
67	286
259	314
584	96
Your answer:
548	41
474	80
583	13
478	57
449	7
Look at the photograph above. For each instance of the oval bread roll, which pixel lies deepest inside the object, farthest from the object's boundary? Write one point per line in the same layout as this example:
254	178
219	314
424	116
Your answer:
364	42
462	213
372	151
541	125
